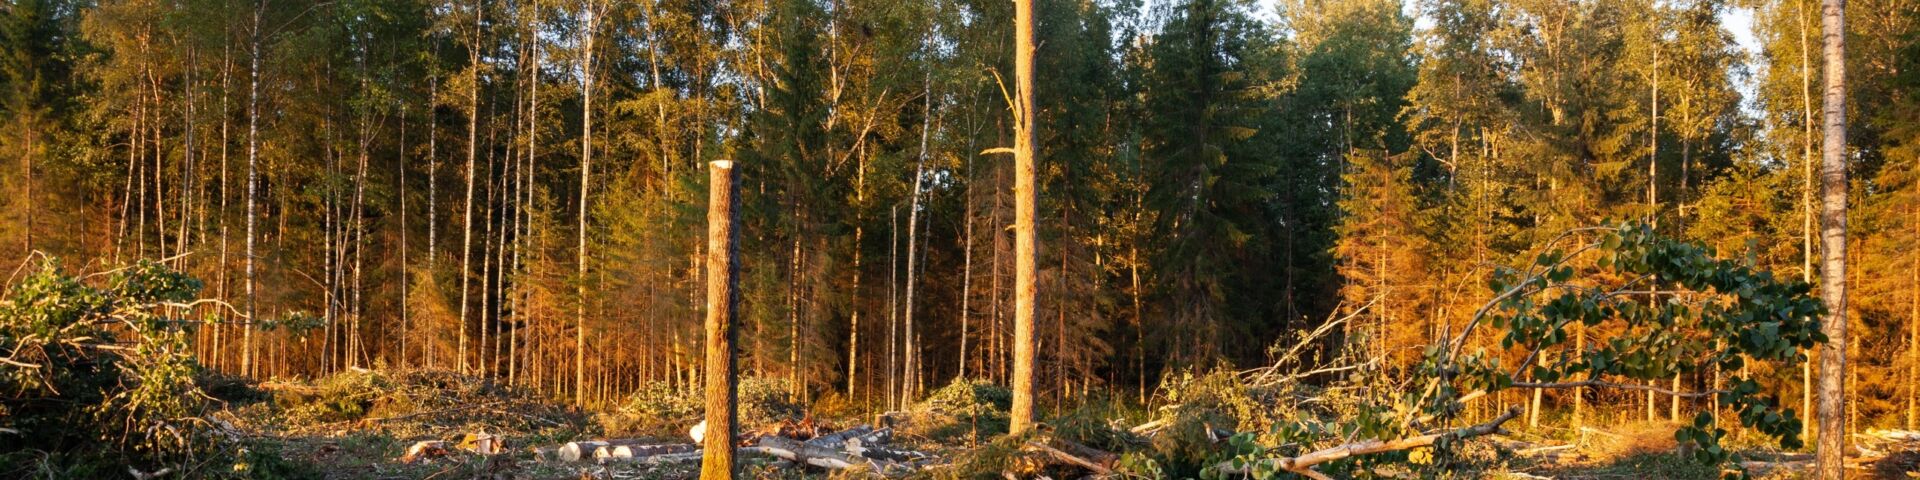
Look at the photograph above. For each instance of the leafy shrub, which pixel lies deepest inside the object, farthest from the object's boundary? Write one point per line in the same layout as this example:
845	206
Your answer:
1661	307
97	371
964	409
656	408
765	401
1197	408
341	397
1100	422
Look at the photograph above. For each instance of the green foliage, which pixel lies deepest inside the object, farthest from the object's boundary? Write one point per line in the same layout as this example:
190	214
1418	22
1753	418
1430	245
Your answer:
1678	309
1659	306
1101	422
432	402
1203	147
969	410
656	408
97	365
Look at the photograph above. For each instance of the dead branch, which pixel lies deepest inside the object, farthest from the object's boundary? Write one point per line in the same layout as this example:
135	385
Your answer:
618	451
656	458
835	439
1545	449
794	450
1097	467
1303	464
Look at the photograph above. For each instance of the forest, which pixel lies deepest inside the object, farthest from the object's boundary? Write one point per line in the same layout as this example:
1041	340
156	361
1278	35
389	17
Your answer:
1126	239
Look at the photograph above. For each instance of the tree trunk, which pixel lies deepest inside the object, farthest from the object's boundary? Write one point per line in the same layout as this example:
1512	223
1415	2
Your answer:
586	171
1806	207
27	243
859	253
1913	322
893	308
473	150
427	353
966	268
1833	238
220	357
523	222
406	318
253	188
721	298
912	367
1024	210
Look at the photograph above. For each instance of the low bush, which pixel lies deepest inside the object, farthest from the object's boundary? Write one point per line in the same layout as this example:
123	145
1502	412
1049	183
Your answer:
98	374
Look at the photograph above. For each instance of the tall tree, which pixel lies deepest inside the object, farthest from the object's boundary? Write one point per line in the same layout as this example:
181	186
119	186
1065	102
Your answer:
1211	175
1830	459
1025	290
591	14
34	68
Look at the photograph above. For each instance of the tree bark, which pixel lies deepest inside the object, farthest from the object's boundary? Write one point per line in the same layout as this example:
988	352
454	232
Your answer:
433	190
859	254
406	318
966	268
27	242
721	412
912	367
1806	205
586	169
893	308
1829	462
1913	322
1024	195
253	188
473	150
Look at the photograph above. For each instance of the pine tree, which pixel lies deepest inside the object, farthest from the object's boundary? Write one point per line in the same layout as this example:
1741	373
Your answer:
1208	186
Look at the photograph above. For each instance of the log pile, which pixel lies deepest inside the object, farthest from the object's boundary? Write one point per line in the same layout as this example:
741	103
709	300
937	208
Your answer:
801	444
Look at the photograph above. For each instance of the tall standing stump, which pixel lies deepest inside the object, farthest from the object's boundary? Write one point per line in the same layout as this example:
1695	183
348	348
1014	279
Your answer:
722	414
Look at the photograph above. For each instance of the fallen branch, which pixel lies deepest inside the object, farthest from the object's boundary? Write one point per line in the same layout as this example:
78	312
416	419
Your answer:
1599	432
882	435
655	459
1462	401
1303	464
1893	435
796	451
1762	468
1546	449
835	439
1063	456
640	451
860	449
1150	427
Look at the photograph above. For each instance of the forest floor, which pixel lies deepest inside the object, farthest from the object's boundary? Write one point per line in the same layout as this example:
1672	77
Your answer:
361	425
